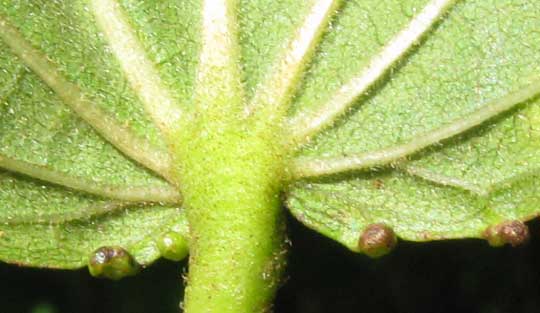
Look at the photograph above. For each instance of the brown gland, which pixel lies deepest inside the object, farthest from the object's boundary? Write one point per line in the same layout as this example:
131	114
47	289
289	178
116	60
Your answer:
377	240
514	233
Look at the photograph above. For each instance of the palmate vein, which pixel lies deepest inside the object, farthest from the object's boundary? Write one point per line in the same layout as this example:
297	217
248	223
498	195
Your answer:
306	124
139	70
280	82
165	194
60	218
305	167
121	137
218	72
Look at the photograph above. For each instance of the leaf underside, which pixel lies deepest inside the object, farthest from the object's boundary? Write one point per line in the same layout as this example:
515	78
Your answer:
481	51
478	52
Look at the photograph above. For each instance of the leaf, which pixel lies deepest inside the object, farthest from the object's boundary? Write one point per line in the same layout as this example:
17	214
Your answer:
49	226
60	101
93	91
83	119
482	54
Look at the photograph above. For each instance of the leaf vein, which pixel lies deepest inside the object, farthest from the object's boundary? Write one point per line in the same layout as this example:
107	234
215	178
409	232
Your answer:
138	68
306	124
126	193
121	137
305	167
281	80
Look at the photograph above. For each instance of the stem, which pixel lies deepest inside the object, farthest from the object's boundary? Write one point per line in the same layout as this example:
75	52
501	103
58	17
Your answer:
230	182
236	252
230	170
237	275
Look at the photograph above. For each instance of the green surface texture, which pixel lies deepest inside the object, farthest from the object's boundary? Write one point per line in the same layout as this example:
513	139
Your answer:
150	128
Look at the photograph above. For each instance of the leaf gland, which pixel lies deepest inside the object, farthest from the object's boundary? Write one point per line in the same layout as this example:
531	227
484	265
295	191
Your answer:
173	246
377	240
515	233
112	262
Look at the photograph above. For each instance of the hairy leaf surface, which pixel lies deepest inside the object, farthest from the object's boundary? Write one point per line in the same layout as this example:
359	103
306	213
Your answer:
106	197
478	53
90	90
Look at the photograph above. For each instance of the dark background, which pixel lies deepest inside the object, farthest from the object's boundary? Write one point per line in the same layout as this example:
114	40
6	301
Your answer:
451	276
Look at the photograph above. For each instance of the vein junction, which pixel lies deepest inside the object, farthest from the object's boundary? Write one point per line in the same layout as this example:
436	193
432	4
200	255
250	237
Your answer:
444	180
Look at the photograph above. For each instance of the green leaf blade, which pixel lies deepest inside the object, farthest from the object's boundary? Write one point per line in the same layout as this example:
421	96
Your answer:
36	127
75	46
415	209
473	57
45	137
47	226
457	188
476	53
